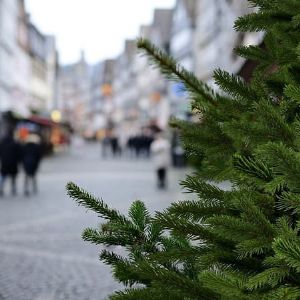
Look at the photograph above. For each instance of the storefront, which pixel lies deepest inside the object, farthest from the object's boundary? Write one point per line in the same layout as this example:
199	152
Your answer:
54	136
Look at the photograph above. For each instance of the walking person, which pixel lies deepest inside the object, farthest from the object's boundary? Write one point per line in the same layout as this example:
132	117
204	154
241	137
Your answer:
10	154
31	157
115	148
160	150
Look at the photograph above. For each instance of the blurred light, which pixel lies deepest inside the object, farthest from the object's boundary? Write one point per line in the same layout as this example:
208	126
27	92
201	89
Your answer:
56	116
156	97
106	89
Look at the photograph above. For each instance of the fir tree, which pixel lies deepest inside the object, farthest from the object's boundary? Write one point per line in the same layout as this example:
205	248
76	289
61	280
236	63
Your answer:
243	243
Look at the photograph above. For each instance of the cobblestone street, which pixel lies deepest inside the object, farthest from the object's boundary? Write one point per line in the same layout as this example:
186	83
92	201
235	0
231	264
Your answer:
42	256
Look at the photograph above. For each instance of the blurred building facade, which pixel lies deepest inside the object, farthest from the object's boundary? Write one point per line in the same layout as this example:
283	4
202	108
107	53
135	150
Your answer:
216	38
151	85
200	35
28	64
8	48
52	62
22	64
183	35
41	89
123	93
74	93
101	97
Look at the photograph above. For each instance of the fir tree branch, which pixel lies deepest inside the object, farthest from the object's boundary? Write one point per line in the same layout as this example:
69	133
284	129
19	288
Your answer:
228	284
253	167
176	72
289	251
97	205
146	294
271	277
139	215
234	85
124	270
260	21
284	292
177	282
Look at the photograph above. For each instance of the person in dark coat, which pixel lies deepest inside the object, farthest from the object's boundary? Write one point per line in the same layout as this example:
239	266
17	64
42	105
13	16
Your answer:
10	153
31	157
138	145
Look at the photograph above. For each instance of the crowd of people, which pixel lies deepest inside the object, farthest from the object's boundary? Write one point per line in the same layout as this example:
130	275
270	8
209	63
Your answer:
135	146
13	154
140	145
26	152
146	144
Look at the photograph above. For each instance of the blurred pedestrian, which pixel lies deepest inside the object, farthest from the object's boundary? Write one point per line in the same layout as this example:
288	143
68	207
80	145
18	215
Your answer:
160	149
139	145
31	157
115	147
130	146
10	154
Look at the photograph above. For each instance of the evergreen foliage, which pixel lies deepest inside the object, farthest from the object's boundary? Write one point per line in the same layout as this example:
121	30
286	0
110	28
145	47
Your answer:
238	244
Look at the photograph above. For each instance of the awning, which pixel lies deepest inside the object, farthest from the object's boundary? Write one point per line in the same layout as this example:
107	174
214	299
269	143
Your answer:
41	121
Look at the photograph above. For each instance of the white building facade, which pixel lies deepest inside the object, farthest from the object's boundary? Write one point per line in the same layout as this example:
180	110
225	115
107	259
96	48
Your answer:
74	93
101	106
8	48
52	73
216	38
182	48
124	107
21	94
27	62
151	85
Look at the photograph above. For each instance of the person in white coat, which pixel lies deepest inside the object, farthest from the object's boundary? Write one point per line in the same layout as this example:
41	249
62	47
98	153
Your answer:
160	150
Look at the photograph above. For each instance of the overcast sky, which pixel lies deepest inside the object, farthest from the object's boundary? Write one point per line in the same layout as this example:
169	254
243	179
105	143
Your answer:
97	26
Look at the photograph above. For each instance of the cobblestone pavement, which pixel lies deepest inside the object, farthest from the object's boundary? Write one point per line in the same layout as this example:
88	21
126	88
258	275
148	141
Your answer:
42	256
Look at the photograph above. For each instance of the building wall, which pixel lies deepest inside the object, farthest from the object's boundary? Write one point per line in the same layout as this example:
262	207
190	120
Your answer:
22	64
123	107
216	38
153	106
181	47
101	95
25	82
8	45
39	87
52	73
204	41
74	93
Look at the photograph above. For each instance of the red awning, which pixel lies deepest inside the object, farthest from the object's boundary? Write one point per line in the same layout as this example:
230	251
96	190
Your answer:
42	121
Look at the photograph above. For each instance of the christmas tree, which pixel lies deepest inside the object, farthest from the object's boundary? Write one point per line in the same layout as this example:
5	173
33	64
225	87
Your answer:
243	243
